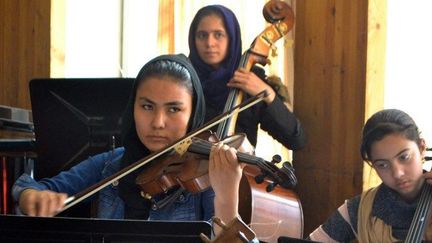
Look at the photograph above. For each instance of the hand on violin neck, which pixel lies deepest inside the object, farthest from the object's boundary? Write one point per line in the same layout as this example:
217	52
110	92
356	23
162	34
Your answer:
223	163
251	84
225	173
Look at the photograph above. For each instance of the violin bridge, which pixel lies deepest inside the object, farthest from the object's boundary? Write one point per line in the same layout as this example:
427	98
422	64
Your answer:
183	146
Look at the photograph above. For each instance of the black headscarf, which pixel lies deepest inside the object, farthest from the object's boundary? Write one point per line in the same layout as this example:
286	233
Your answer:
214	81
135	205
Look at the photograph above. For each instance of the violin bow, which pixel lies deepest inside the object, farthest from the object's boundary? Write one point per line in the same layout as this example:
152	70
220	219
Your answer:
80	196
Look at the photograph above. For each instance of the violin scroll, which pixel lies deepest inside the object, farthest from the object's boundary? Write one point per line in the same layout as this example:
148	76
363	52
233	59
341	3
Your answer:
283	176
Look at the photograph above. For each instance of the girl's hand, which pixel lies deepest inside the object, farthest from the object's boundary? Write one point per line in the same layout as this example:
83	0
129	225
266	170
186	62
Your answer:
41	203
225	171
225	174
251	84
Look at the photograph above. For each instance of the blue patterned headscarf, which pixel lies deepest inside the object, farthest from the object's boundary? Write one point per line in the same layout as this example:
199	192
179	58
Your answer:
214	81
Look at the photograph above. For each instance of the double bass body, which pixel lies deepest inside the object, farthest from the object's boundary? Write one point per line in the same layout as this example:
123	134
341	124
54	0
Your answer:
270	215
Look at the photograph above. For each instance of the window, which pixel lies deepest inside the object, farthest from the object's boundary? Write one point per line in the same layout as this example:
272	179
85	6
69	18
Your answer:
408	79
102	38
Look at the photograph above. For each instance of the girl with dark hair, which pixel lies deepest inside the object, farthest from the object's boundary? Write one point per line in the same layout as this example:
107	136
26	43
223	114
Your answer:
166	103
215	52
392	145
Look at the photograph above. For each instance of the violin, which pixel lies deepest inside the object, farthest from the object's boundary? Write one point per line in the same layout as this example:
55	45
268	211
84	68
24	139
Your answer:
166	153
187	166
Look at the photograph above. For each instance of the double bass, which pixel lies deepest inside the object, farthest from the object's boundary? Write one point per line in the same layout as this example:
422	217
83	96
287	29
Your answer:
279	213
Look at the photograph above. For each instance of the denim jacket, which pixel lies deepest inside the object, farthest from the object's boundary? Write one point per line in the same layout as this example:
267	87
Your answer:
188	206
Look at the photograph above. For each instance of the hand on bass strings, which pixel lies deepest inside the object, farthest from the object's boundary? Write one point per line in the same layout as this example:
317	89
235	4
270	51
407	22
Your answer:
250	83
41	203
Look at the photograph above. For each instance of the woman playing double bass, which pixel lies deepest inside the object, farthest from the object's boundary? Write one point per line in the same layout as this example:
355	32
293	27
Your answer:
215	52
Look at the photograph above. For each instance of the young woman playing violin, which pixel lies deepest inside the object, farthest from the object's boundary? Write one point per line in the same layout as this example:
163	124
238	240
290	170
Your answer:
215	52
166	103
392	145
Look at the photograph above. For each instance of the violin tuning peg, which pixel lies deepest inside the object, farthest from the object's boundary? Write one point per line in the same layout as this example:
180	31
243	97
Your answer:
276	159
270	187
259	178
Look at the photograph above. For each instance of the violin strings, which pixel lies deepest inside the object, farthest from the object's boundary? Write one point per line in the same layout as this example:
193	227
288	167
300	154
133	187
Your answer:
203	146
244	157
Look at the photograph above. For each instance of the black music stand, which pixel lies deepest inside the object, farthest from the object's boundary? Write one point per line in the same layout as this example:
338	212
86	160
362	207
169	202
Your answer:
72	230
75	118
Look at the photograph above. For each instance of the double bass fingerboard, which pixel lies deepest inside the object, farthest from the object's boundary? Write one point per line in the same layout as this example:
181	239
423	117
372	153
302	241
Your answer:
421	216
